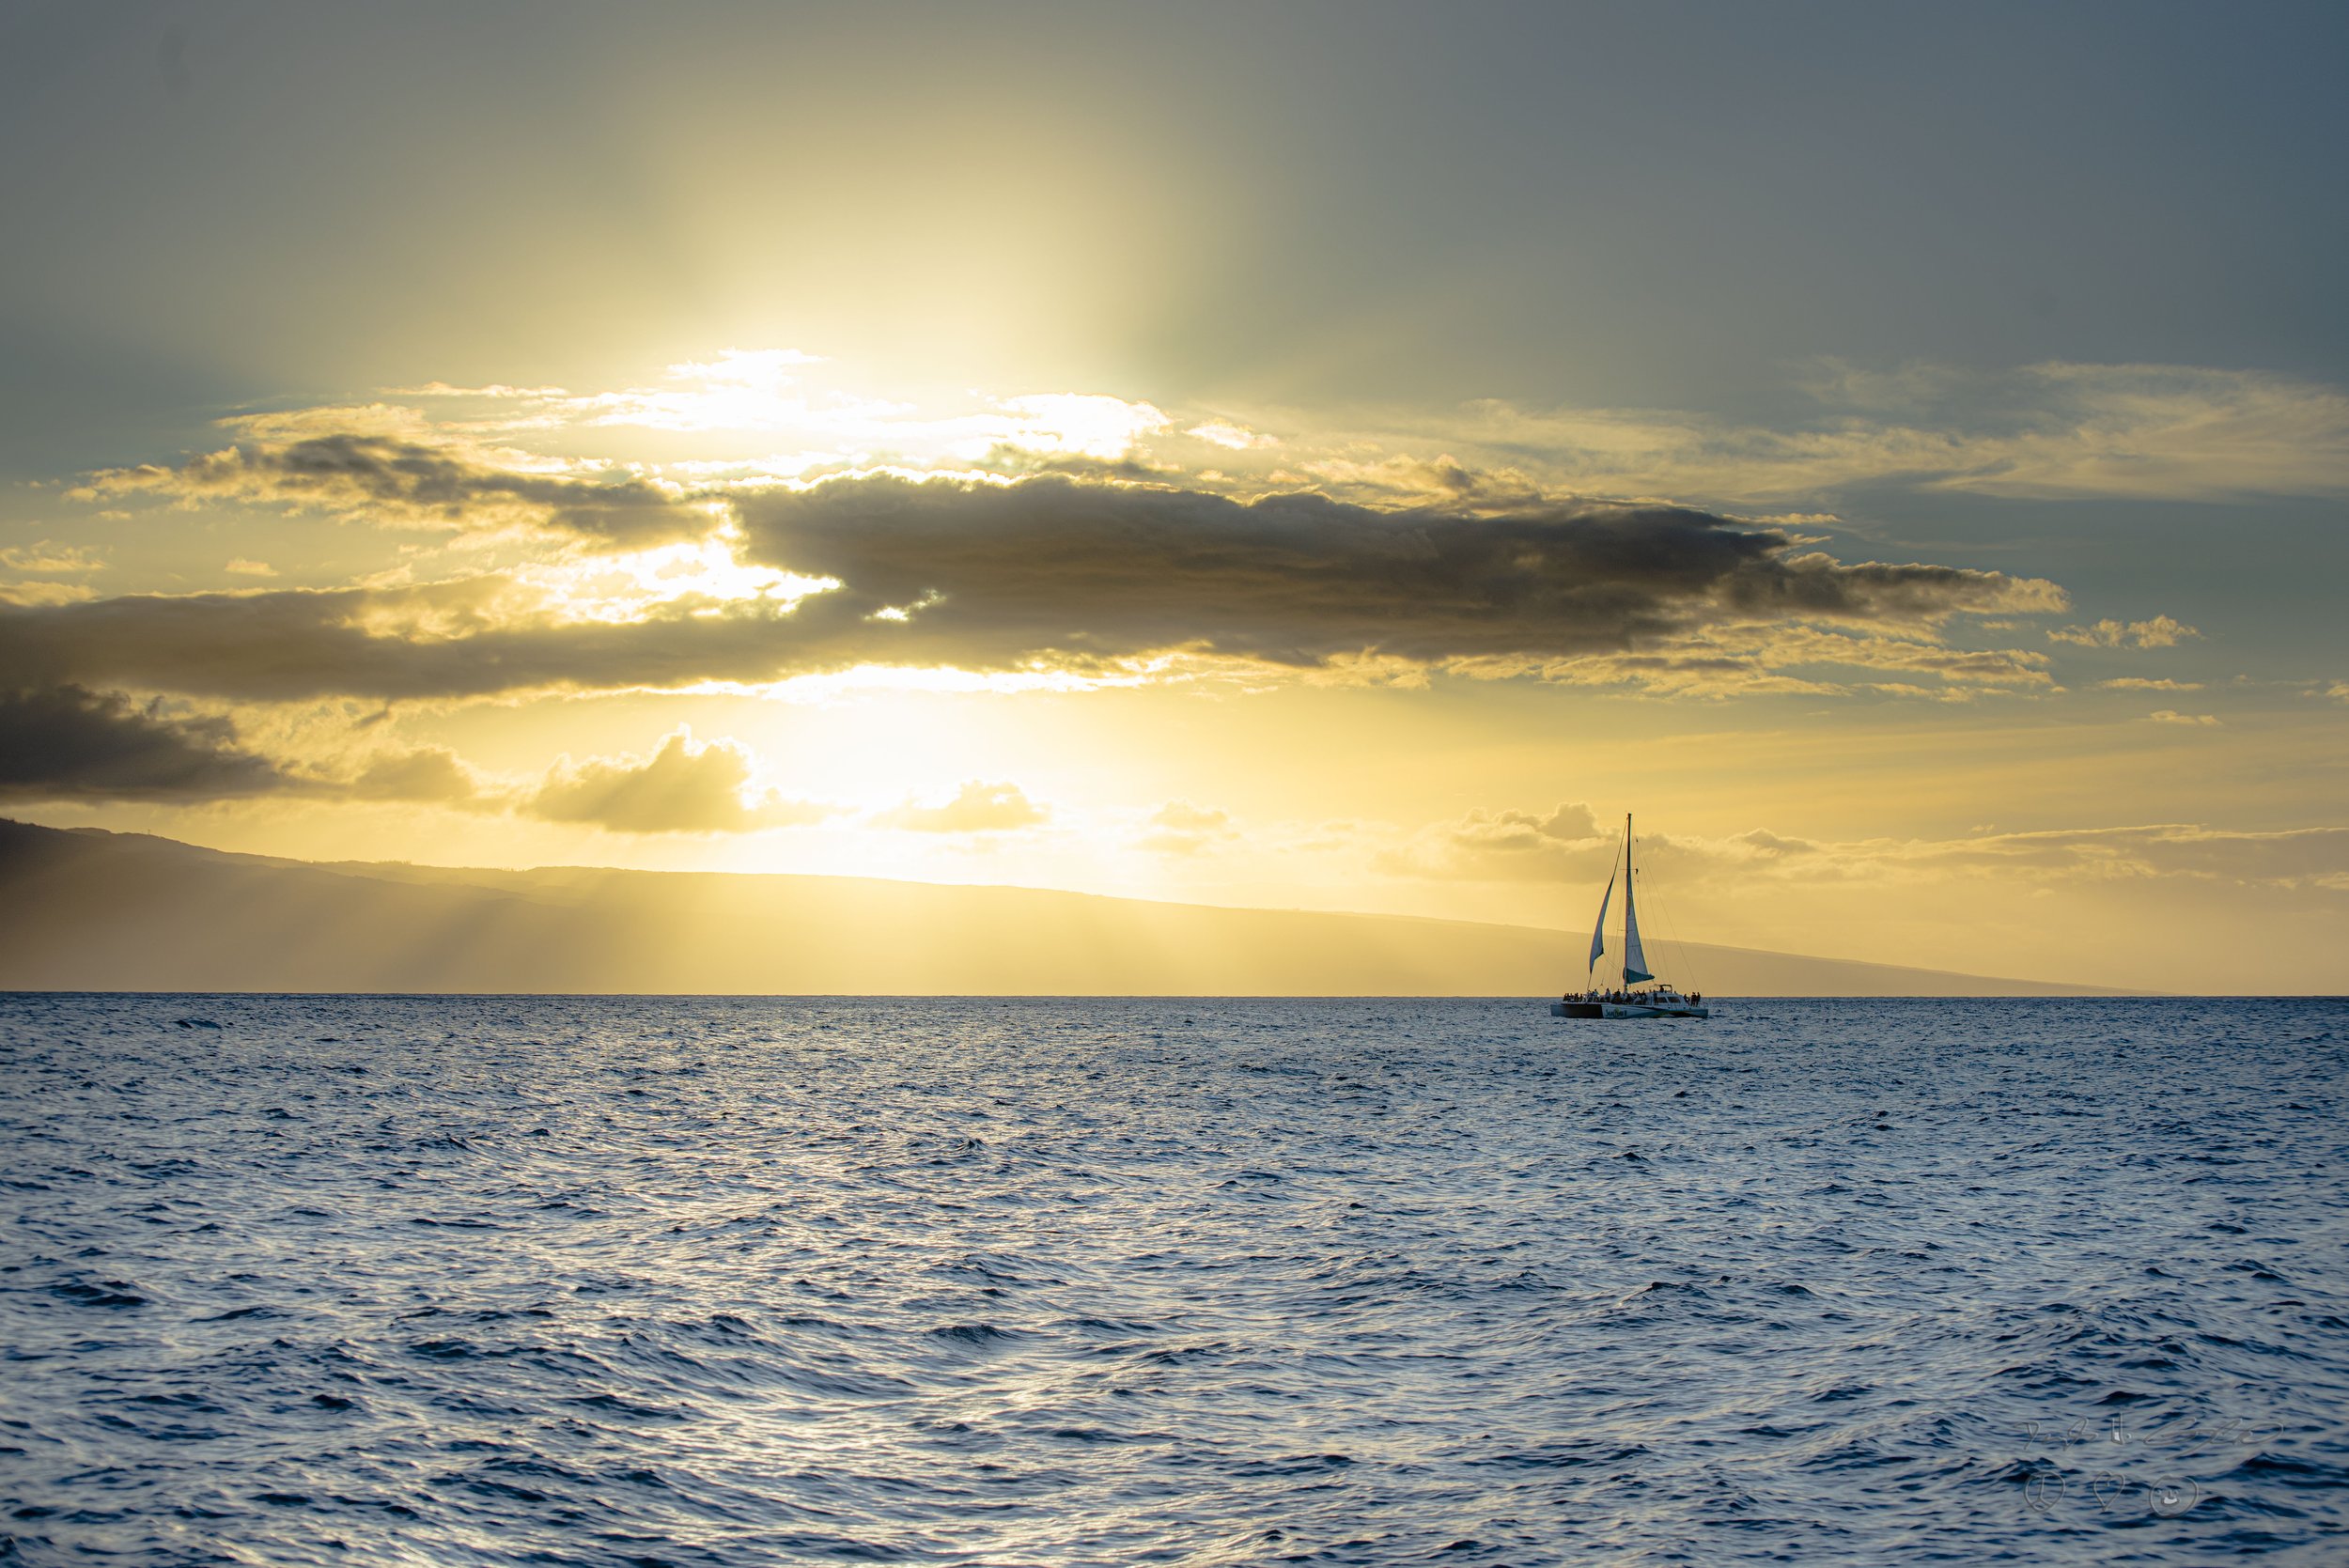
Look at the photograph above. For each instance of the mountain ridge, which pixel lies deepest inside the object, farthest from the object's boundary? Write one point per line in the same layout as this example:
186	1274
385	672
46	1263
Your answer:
93	909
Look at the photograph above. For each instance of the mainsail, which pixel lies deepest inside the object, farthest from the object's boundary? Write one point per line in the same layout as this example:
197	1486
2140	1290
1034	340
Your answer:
1634	961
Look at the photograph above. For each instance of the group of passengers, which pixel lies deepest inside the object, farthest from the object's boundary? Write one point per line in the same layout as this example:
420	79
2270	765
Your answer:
1662	996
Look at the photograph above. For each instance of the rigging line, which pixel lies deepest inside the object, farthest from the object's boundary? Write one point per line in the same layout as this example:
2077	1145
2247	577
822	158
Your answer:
1677	950
1672	935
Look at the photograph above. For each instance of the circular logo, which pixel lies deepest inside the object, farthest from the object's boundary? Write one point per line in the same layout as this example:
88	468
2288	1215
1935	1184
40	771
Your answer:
2171	1498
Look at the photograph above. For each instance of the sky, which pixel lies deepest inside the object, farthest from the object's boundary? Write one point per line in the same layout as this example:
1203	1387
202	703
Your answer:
1337	456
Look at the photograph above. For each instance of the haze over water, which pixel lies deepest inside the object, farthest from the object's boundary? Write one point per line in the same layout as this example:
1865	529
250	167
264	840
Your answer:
763	1282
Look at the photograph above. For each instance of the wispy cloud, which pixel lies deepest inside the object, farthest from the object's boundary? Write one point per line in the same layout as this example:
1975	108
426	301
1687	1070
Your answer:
450	457
1559	845
977	807
380	467
1801	658
49	557
1179	827
2053	431
780	394
2159	632
2056	430
36	591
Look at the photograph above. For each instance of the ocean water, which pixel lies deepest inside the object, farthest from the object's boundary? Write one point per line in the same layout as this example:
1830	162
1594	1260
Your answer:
760	1281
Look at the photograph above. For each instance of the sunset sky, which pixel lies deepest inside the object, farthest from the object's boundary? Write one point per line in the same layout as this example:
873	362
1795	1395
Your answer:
1338	457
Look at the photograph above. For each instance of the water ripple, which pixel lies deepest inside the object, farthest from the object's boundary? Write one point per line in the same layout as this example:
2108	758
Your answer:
732	1281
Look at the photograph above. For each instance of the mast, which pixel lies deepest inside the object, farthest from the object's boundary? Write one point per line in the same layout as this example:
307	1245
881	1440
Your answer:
1634	961
1598	932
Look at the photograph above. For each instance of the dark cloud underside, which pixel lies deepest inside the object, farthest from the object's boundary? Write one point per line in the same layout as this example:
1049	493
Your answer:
65	743
1050	564
990	576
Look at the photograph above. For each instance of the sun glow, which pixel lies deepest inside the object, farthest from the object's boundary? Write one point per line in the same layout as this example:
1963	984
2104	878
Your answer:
812	419
706	574
1079	424
870	679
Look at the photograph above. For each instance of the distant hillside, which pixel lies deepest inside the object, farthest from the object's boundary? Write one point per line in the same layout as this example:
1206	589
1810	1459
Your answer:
88	911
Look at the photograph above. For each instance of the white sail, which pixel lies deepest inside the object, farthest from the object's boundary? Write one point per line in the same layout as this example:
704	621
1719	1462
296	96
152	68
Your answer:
1598	932
1634	959
1620	1000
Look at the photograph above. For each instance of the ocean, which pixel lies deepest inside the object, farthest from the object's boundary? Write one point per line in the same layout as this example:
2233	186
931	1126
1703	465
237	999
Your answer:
747	1281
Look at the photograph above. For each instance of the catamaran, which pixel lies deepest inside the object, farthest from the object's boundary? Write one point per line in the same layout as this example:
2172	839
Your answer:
1641	995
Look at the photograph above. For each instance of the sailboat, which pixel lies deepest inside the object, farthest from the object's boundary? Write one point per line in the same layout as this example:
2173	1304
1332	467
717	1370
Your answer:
1641	995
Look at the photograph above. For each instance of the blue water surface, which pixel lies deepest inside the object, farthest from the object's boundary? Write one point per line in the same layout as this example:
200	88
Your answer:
356	1280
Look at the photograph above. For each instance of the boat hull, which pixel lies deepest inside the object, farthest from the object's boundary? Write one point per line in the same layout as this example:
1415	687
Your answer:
1623	1010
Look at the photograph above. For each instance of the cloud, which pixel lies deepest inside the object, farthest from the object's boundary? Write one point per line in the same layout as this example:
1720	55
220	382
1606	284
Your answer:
48	556
1229	436
684	787
429	773
1563	844
63	742
2293	858
2159	432
1757	658
37	593
242	568
2171	716
2053	431
2159	632
2141	683
1179	827
1081	425
1053	573
397	477
1517	846
771	393
1183	817
1049	566
2049	431
976	808
436	641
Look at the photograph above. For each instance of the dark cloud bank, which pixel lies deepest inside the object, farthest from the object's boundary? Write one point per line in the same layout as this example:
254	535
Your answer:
66	744
990	576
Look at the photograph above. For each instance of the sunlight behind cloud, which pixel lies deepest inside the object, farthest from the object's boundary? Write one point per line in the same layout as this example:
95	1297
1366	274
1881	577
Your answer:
1091	427
833	686
705	573
811	415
